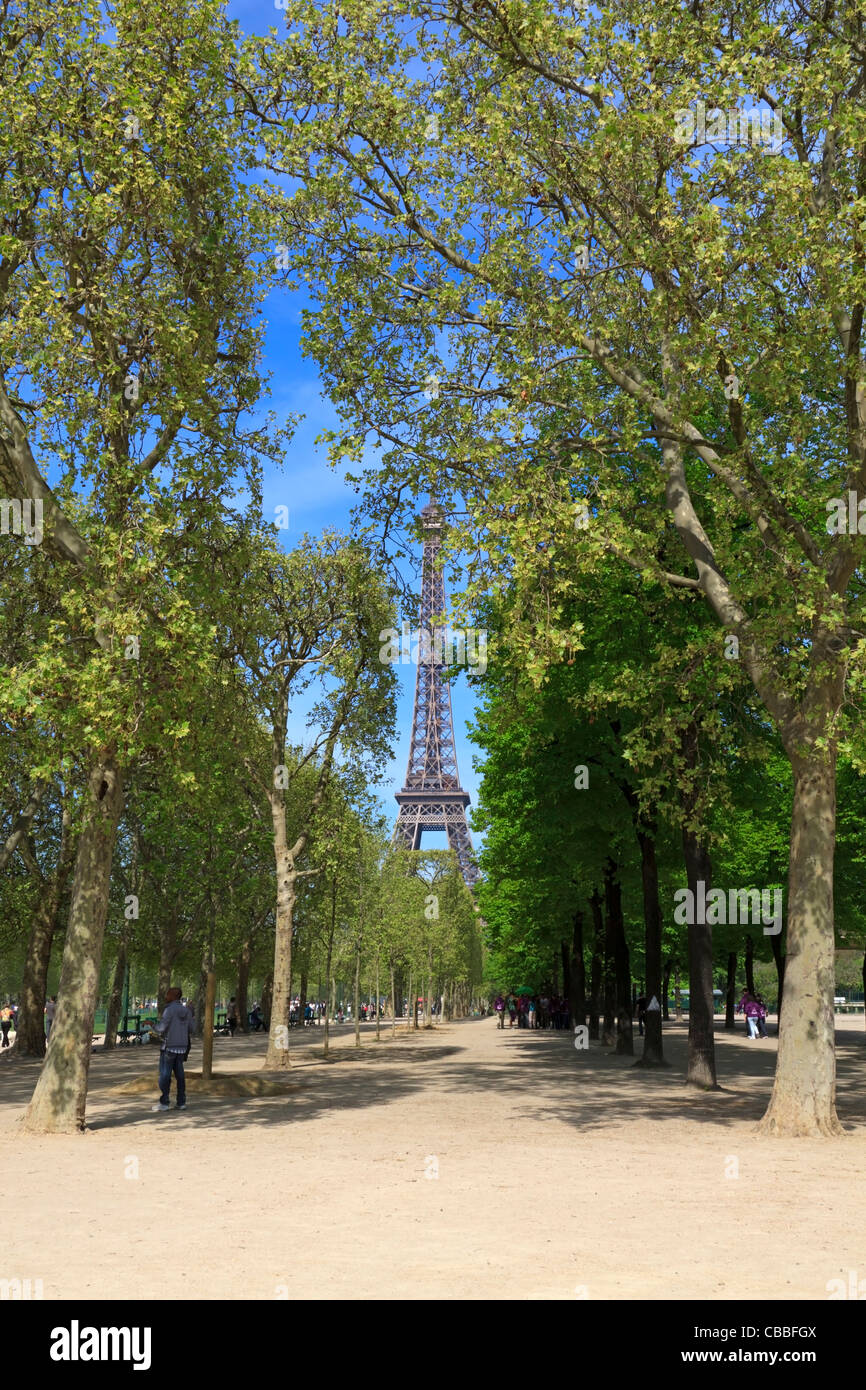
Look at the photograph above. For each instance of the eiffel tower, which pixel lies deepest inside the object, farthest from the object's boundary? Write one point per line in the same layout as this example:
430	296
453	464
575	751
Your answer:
432	797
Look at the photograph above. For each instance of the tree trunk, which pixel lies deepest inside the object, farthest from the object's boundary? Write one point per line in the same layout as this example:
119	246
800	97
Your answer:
730	993
356	994
778	957
577	972
678	996
267	997
750	966
608	1035
393	1003
242	992
428	1001
622	967
666	990
596	965
702	1048
616	948
302	997
115	999
277	1056
207	1032
207	963
803	1102
163	978
565	954
30	1028
378	1020
30	1033
653	1053
60	1097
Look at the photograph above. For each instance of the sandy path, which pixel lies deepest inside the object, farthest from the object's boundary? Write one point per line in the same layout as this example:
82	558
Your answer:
556	1178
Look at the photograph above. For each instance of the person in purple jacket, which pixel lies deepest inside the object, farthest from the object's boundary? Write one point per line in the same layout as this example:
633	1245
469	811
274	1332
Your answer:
751	1009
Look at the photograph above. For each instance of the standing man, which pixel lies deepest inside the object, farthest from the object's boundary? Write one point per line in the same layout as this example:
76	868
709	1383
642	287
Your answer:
175	1028
641	1006
50	1008
232	1015
6	1020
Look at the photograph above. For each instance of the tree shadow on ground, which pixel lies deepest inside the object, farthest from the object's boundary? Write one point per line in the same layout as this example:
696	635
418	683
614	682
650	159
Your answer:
338	1089
607	1089
552	1080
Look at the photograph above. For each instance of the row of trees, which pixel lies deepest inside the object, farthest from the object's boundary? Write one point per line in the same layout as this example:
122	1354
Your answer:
646	358
157	643
588	842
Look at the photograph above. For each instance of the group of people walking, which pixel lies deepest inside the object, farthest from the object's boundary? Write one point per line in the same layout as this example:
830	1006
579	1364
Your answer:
755	1010
525	1010
531	1010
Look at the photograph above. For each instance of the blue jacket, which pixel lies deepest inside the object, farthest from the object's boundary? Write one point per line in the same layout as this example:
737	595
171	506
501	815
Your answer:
176	1027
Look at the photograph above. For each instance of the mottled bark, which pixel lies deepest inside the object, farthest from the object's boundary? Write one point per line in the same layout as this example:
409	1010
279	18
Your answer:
779	959
803	1102
60	1097
115	999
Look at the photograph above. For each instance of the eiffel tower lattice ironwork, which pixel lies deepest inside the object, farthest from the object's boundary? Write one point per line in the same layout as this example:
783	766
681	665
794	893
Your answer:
432	797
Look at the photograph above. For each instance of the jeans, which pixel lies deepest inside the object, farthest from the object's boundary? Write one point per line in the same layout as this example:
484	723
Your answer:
753	1025
171	1062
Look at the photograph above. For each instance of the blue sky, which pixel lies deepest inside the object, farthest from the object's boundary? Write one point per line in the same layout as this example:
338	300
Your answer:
315	494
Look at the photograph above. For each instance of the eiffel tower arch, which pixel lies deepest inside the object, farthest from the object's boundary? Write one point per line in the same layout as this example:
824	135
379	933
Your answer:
432	797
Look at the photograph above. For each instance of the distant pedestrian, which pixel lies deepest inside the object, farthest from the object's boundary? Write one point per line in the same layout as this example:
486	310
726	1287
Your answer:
533	1013
751	1009
7	1018
175	1028
50	1010
232	1015
499	1009
641	1013
511	1006
762	1016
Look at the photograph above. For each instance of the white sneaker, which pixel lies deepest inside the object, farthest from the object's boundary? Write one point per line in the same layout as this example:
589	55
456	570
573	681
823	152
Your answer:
163	1108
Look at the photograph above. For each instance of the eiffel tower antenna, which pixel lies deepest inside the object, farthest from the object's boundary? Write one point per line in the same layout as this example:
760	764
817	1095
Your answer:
432	797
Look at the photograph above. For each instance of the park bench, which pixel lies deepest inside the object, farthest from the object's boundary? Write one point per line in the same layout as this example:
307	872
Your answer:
127	1035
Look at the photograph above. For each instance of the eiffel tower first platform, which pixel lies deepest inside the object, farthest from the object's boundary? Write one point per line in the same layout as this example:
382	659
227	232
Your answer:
432	797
